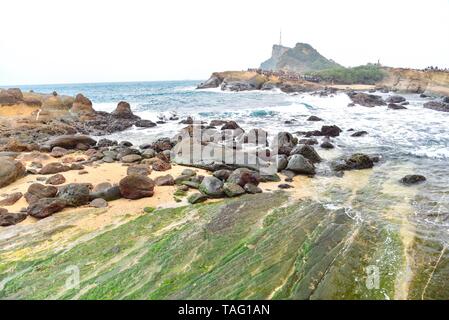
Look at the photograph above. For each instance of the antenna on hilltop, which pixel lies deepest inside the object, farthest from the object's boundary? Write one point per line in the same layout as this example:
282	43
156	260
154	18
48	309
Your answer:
280	37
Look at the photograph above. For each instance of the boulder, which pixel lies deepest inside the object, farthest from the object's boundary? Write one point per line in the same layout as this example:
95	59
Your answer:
230	125
223	174
144	124
412	179
71	141
9	219
160	165
281	161
252	188
139	169
314	118
330	131
10	171
148	153
131	158
243	176
166	180
104	143
188	172
123	111
55	180
46	207
197	198
437	106
395	106
359	134
357	161
136	187
82	106
308	141
54	167
212	187
299	164
327	145
285	186
74	194
98	203
395	99
233	189
366	100
308	152
109	194
10	199
38	191
58	152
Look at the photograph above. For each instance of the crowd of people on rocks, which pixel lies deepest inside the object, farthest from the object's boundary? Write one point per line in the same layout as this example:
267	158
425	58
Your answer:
285	75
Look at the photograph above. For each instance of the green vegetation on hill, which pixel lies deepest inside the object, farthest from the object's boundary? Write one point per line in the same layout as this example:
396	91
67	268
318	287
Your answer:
367	74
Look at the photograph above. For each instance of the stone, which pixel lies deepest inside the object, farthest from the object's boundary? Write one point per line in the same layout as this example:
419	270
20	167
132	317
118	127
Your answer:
11	199
74	194
58	152
131	158
82	106
233	189
38	191
413	179
46	207
285	186
188	172
395	106
109	194
10	171
98	203
314	118
166	180
281	161
212	187
243	176
299	164
160	165
9	219
102	187
357	161
223	174
55	180
71	141
395	99
136	187
308	152
148	153
104	143
54	167
330	131
230	125
366	100
252	188
139	169
144	124
196	198
437	106
359	134
327	145
123	111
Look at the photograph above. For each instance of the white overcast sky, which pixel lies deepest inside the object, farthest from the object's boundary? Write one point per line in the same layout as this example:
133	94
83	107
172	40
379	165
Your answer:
50	41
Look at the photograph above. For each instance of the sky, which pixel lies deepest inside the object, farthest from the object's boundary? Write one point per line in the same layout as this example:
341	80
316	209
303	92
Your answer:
50	41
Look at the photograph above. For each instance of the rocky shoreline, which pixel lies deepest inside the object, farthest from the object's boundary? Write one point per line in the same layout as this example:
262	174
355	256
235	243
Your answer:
233	162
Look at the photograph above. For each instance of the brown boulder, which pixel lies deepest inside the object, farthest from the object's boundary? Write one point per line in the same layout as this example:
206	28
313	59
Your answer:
71	141
54	167
136	187
166	180
9	219
38	191
55	180
10	171
123	111
160	165
46	207
82	106
139	169
11	199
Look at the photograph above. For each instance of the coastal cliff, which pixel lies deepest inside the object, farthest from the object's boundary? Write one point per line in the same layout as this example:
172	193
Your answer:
416	81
